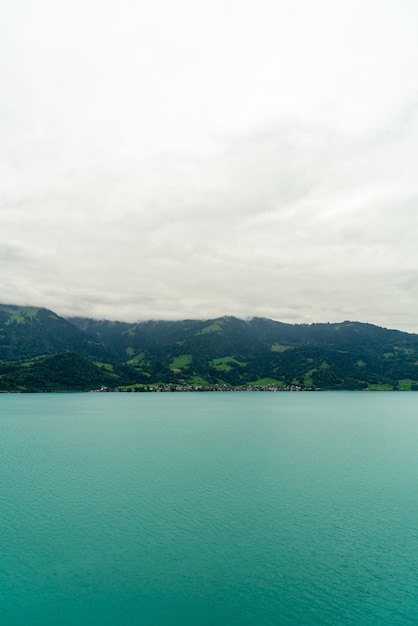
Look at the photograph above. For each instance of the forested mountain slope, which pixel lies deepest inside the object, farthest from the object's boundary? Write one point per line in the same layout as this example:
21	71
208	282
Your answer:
40	350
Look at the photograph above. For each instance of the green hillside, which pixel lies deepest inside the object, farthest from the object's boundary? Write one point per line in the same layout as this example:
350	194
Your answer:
27	332
41	351
68	371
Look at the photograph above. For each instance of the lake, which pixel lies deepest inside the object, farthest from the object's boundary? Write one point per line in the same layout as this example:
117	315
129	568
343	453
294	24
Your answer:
209	509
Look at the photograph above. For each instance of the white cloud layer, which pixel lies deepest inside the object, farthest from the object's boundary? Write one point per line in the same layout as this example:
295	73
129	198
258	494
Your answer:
190	160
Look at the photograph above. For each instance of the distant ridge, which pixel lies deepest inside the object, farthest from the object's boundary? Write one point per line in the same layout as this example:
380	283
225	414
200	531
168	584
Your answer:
42	351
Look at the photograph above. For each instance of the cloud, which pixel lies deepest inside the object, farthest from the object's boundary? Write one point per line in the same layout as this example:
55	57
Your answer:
161	162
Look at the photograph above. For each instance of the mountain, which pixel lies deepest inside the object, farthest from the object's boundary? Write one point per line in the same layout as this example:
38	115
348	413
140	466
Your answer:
40	350
350	355
27	332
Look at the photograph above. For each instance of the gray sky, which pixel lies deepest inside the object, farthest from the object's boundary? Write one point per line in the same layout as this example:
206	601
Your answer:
194	159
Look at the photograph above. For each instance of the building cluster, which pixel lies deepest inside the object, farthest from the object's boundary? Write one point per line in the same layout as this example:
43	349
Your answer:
167	387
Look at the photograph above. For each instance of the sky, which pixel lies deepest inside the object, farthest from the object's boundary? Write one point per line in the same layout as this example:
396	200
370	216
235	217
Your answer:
186	159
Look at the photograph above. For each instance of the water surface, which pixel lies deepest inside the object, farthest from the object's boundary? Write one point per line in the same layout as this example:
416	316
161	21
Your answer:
211	508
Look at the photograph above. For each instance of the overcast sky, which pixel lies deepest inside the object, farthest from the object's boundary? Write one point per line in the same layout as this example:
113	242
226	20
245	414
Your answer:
186	159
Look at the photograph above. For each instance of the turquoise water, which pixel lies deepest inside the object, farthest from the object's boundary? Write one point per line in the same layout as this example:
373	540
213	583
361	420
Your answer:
207	509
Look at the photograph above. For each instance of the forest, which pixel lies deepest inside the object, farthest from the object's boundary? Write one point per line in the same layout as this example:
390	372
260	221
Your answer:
42	351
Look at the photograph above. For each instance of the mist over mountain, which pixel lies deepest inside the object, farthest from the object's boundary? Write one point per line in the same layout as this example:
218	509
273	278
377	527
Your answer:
41	351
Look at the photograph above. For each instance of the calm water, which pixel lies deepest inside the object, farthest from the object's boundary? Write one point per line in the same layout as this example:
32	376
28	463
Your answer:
209	509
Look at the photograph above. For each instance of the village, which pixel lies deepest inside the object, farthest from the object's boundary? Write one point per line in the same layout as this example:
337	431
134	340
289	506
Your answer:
167	388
